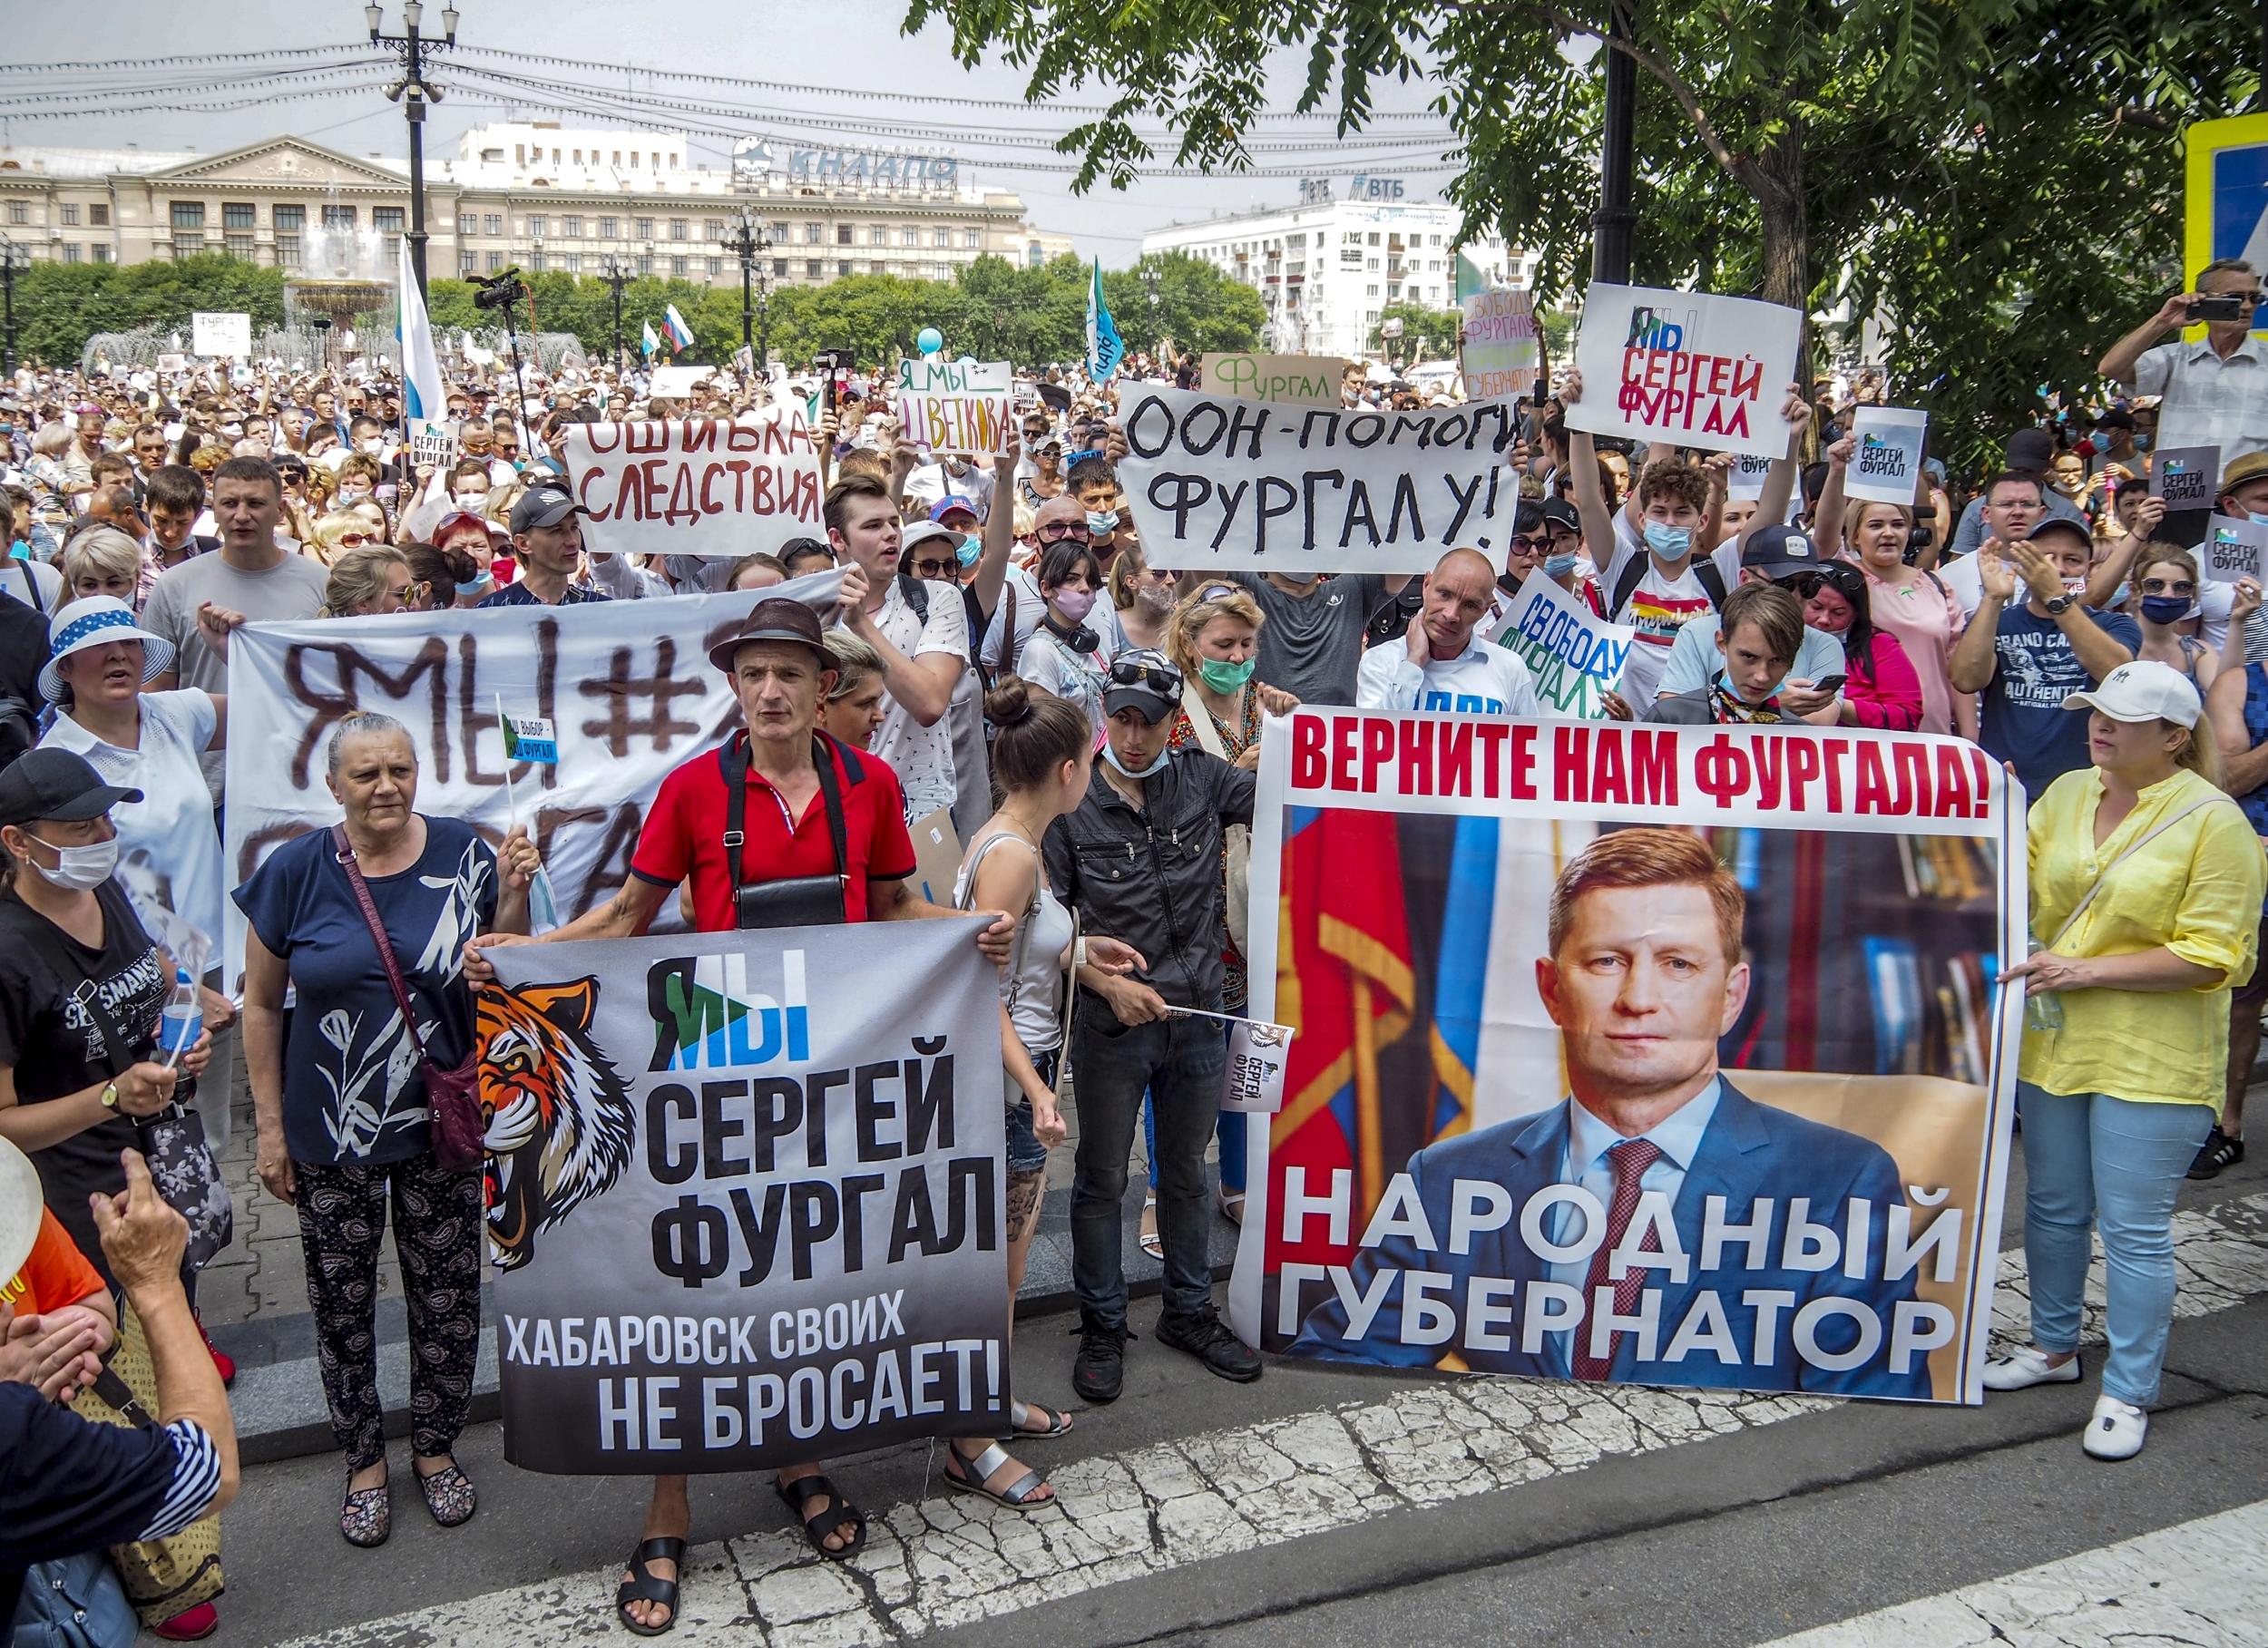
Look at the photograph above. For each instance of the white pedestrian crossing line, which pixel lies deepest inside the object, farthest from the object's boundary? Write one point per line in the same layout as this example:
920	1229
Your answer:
949	1561
2203	1582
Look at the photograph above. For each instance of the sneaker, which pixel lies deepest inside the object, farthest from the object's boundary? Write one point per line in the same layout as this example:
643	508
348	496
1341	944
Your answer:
194	1627
1207	1336
2218	1152
2116	1430
223	1363
1099	1371
2021	1369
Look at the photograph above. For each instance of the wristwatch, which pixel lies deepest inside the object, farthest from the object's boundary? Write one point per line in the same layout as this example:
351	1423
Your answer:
2059	606
110	1096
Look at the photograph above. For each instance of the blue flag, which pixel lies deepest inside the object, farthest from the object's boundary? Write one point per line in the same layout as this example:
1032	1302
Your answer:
1104	351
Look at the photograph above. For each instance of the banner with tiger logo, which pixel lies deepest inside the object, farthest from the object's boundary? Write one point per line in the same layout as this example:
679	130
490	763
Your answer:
743	1212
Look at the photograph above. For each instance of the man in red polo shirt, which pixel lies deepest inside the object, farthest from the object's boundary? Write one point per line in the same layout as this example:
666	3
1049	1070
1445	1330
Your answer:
815	847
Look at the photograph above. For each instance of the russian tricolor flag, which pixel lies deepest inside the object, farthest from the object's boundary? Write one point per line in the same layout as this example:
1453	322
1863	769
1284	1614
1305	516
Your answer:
673	323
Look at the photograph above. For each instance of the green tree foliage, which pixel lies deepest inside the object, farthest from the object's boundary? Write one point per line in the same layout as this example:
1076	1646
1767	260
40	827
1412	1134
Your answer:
1999	179
1426	334
60	306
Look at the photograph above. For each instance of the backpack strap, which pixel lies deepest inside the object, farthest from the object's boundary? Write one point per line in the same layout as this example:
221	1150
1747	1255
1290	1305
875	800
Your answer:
1704	572
915	594
733	761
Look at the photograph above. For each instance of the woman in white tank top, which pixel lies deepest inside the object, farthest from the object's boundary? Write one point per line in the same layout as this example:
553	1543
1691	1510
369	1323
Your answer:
1042	756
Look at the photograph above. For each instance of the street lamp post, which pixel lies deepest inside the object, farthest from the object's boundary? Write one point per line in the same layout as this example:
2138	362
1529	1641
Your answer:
748	243
615	272
15	258
1615	227
413	92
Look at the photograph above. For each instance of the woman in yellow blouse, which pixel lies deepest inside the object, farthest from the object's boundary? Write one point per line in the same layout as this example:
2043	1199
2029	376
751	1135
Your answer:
2146	881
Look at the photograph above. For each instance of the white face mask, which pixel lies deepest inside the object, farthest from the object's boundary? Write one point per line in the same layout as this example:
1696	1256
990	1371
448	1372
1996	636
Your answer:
470	502
80	869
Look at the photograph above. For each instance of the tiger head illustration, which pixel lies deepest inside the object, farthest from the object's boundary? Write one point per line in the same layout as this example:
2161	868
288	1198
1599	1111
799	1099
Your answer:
560	1126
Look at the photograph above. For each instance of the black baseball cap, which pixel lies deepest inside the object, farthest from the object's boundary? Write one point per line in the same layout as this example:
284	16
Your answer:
543	505
1145	679
780	619
2063	523
1559	512
1778	552
56	784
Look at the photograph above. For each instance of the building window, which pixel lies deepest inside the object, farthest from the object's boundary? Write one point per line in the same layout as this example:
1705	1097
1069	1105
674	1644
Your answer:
469	223
571	262
716	268
187	243
641	229
1373	239
70	215
779	269
780	234
539	227
1371	266
712	229
1436	240
909	237
100	217
492	223
645	263
238	214
491	261
102	253
1371	316
71	252
467	262
607	225
338	217
1371	290
387	219
572	228
187	214
677	227
286	251
970	240
536	263
842	234
812	270
940	238
20	211
812	234
677	267
843	267
240	246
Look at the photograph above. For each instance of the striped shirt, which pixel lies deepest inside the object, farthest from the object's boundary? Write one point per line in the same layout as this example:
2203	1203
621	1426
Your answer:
196	1480
2208	400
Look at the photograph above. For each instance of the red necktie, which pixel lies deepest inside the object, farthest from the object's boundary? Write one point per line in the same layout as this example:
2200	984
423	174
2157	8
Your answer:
1629	1160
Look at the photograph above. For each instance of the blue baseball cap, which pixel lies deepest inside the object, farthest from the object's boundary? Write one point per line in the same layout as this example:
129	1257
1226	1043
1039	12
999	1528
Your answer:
952	502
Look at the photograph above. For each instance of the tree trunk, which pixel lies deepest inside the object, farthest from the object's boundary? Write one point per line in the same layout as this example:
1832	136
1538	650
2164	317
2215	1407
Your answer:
1777	181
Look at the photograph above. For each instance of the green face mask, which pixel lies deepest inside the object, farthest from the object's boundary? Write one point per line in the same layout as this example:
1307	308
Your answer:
1226	677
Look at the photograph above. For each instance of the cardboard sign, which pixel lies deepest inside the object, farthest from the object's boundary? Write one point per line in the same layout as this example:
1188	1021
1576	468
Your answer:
215	334
2186	477
1502	349
951	406
432	444
675	382
2233	549
173	363
936	855
1217	485
1290	380
1748	476
1888	462
1684	367
697	486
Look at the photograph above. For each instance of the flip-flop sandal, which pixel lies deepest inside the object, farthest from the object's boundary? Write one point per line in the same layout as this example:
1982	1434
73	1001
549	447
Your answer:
1020	1413
448	1495
367	1515
1150	1242
647	1586
1017	1496
837	1515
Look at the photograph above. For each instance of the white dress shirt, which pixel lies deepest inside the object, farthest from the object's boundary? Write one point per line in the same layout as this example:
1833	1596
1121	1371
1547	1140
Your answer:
2207	400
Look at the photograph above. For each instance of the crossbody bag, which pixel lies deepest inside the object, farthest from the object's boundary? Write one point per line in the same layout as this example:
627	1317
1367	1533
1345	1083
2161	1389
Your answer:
452	1095
1235	838
2127	852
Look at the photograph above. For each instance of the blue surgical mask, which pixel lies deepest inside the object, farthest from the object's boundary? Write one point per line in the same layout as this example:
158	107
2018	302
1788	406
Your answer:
2141	442
1111	753
2256	516
1102	522
483	584
1667	541
1559	566
2166	608
969	551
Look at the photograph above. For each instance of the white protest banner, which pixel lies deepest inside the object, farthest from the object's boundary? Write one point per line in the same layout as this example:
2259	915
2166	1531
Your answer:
954	407
1748	475
751	1214
1686	367
627	686
2234	548
2186	477
676	383
173	363
1289	380
697	486
1219	484
1848	1100
1888	459
214	333
1574	655
1502	349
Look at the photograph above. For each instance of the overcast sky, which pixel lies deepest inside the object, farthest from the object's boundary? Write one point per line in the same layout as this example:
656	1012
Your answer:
814	43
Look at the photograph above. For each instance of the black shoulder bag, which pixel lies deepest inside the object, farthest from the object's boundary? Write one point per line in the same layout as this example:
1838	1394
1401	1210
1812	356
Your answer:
801	901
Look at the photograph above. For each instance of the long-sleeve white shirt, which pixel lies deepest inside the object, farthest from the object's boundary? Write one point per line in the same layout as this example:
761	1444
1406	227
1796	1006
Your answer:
1481	680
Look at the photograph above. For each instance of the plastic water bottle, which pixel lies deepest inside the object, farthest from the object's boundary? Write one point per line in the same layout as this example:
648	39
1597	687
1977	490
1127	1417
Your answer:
2045	1010
182	1020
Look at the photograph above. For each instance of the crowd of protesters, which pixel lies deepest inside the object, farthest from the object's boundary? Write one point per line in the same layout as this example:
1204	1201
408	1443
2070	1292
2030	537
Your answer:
1004	647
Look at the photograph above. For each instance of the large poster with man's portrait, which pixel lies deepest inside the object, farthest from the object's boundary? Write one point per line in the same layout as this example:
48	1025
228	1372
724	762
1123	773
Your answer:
1666	1055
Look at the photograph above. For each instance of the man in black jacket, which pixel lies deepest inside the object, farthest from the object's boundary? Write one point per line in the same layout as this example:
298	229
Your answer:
1140	860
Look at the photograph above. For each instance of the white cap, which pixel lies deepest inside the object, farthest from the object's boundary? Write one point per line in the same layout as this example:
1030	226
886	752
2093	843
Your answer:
21	1204
2144	690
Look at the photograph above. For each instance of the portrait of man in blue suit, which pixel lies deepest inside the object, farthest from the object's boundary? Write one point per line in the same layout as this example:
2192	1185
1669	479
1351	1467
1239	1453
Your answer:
1643	975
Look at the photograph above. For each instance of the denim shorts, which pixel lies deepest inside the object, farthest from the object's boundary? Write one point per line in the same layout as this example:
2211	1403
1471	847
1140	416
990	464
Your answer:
1026	1153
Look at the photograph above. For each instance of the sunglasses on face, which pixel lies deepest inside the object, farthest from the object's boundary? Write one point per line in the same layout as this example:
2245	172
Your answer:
1533	542
1056	531
936	568
2159	586
353	540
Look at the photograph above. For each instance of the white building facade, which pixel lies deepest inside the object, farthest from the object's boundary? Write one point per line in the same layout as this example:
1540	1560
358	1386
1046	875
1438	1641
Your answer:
1328	268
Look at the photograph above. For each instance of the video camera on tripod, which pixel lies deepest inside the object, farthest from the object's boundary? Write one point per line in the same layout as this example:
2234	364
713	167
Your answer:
500	290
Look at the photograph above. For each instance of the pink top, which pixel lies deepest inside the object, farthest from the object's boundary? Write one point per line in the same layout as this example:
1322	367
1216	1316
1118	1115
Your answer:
1926	620
1884	692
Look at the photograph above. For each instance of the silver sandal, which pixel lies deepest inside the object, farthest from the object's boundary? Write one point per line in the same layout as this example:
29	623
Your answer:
1059	1422
1017	1496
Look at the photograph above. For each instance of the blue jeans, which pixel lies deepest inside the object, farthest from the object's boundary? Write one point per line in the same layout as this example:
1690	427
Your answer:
1180	1061
2092	1160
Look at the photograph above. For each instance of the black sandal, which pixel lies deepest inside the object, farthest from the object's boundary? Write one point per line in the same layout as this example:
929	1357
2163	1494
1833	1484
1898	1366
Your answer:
801	1492
647	1586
